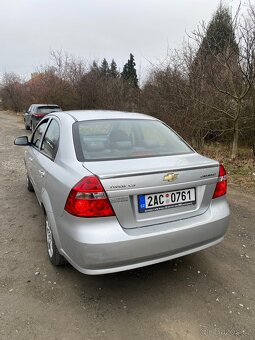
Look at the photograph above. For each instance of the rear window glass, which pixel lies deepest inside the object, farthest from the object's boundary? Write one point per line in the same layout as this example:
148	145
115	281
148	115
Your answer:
48	109
124	139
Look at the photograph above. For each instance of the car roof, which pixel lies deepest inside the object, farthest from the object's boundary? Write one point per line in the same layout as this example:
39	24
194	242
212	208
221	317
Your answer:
45	105
80	115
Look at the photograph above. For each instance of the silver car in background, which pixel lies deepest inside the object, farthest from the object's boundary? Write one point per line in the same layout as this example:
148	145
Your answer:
122	190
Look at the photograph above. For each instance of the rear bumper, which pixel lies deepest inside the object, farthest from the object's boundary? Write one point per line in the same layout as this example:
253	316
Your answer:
101	246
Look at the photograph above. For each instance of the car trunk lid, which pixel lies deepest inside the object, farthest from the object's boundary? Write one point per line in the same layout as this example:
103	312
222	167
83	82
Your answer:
129	183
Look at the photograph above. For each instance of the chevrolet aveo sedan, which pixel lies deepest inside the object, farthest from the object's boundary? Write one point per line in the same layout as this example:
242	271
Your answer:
122	190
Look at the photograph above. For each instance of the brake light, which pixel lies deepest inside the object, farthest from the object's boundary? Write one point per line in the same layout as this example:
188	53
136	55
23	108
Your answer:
38	115
221	186
88	199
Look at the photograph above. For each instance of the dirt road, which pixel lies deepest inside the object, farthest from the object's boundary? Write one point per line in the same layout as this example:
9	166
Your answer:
208	295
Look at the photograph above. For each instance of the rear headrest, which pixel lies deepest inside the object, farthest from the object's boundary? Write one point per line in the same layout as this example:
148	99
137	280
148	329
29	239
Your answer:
118	136
94	146
121	145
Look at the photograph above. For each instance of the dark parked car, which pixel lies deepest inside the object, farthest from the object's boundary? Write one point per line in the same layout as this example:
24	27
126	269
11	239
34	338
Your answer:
36	112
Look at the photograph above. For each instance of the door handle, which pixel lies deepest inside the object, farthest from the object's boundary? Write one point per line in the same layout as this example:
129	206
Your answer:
42	173
31	159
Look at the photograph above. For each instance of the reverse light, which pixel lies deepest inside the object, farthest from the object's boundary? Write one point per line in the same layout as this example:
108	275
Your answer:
221	186
88	199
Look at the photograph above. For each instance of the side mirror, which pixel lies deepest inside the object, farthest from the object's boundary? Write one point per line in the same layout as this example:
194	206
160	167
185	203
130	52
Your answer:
23	140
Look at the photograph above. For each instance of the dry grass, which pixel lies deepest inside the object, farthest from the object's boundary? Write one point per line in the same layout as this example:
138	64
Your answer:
241	172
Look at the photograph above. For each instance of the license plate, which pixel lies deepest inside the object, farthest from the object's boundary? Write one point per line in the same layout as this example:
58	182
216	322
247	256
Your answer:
166	200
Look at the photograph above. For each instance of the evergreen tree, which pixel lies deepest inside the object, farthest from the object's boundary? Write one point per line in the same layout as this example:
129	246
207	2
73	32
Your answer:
113	69
129	72
94	67
219	34
104	68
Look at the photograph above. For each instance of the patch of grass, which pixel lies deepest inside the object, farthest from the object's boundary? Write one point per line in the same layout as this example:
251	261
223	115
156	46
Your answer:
241	172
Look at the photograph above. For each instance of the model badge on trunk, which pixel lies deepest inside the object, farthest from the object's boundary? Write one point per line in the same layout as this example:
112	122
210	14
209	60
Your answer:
171	177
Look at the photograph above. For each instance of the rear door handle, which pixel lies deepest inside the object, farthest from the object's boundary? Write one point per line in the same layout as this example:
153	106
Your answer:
31	159
42	173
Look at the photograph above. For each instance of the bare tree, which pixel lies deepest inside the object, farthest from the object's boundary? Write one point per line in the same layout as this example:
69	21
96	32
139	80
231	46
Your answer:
12	92
229	72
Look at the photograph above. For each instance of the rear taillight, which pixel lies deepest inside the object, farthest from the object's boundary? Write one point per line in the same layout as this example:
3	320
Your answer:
221	186
38	115
88	199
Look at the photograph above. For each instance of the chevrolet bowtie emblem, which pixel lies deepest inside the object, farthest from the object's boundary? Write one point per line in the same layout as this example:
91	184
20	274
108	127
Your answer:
171	177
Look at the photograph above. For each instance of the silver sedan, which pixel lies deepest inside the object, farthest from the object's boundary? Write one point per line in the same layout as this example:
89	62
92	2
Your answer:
122	190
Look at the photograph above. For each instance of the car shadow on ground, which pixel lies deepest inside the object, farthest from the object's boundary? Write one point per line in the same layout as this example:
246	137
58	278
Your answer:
178	275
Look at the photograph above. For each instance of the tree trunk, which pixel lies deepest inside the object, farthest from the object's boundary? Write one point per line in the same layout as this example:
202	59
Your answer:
236	130
235	139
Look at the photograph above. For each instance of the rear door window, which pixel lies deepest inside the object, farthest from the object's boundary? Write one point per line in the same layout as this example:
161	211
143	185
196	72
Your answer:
51	140
30	108
37	135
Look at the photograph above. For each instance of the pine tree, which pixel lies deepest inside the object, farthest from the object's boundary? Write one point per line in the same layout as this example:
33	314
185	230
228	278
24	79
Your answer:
94	67
129	72
104	68
219	34
113	69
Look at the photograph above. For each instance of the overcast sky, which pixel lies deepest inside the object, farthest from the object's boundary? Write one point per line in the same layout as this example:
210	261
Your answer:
94	29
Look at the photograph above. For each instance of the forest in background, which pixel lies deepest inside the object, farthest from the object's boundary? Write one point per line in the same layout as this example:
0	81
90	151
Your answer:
205	91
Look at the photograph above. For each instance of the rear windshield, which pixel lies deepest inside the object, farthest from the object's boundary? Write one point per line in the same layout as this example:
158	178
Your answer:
99	140
48	109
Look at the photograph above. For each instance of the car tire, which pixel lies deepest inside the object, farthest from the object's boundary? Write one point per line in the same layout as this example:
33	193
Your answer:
29	185
55	257
27	127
